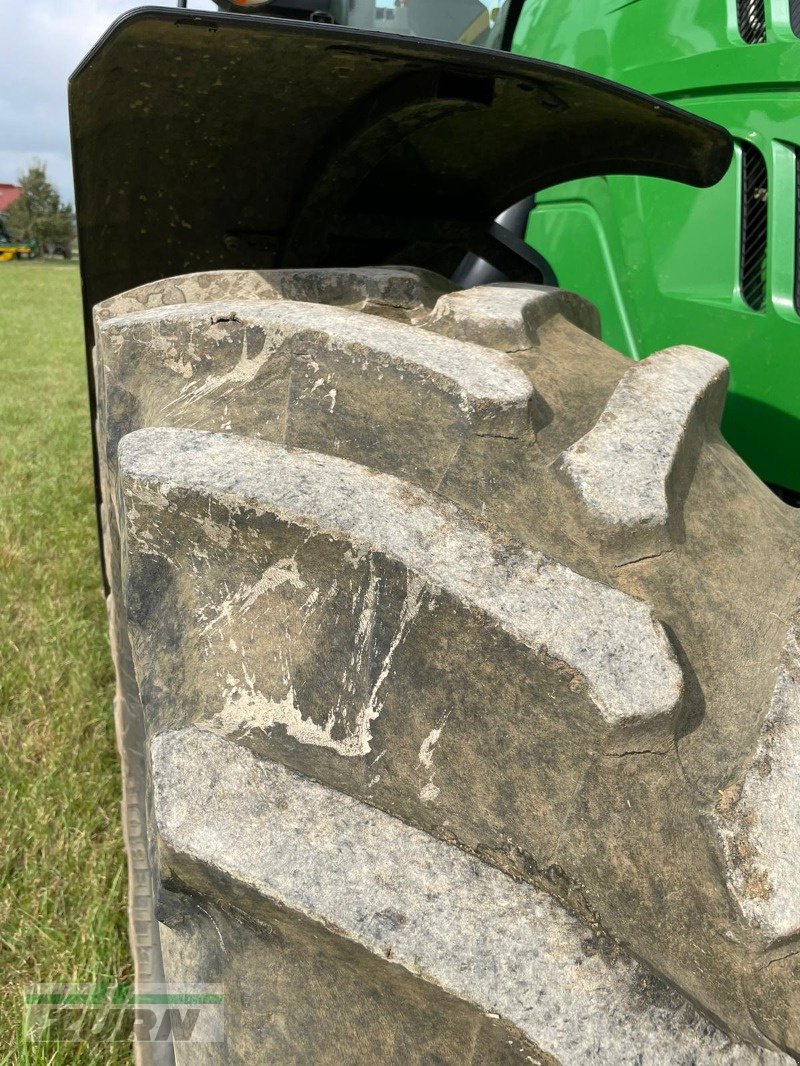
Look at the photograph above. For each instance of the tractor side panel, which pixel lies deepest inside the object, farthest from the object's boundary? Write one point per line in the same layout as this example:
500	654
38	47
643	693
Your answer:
665	263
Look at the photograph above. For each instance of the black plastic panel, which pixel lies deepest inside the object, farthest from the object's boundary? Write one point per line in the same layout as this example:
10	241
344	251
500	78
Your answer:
753	259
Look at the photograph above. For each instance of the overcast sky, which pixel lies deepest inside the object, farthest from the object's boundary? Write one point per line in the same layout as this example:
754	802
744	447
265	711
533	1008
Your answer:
43	42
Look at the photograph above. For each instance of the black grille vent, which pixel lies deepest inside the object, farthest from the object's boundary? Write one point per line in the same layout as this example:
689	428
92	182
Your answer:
753	266
794	16
752	21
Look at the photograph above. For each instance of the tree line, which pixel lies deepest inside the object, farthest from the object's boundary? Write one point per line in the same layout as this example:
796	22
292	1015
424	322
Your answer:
39	214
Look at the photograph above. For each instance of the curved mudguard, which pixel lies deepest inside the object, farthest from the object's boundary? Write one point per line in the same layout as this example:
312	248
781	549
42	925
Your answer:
205	141
213	141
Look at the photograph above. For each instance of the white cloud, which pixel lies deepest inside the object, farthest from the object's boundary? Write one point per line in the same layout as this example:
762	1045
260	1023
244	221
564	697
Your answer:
43	42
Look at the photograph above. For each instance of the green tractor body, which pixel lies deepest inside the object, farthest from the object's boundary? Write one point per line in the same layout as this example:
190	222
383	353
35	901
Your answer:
663	262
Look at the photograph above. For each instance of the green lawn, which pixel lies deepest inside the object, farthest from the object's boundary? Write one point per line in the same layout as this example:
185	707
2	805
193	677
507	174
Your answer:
62	907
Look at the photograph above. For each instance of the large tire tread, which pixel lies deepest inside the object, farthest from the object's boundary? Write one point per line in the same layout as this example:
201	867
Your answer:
481	461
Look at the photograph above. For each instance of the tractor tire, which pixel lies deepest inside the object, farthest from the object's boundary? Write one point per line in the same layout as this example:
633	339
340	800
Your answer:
459	666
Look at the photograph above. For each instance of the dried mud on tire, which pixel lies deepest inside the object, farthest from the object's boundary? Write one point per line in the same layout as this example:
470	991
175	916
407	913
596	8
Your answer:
458	677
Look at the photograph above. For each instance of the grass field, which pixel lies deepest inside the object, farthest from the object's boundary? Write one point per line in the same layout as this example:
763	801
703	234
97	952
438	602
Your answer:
62	909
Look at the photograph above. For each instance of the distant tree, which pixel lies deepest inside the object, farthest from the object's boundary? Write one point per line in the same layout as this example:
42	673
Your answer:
40	214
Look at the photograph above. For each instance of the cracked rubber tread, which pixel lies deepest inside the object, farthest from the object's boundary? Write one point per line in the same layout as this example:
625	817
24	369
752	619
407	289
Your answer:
532	460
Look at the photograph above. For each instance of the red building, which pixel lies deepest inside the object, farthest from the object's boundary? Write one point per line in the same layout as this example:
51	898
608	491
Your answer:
8	194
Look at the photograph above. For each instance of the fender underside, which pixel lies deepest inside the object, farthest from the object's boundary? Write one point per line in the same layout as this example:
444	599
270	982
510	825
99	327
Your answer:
212	141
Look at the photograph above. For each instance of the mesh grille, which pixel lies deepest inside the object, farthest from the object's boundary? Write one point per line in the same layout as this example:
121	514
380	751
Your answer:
794	16
752	21
753	264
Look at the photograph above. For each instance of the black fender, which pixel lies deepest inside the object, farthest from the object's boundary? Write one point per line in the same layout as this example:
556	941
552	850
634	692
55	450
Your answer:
206	141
